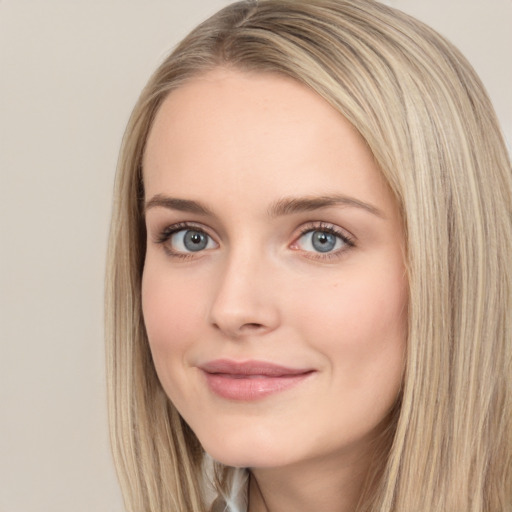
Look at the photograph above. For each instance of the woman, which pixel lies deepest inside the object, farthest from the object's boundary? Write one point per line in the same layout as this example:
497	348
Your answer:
309	271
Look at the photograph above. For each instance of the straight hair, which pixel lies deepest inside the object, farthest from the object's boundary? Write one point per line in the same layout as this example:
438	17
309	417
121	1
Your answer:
433	132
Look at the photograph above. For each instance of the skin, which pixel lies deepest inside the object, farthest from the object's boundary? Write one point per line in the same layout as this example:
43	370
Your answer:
238	143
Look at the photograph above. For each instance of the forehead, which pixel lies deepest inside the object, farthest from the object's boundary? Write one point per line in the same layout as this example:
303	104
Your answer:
227	106
232	132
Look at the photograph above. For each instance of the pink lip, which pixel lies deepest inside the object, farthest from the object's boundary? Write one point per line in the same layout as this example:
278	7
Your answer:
250	380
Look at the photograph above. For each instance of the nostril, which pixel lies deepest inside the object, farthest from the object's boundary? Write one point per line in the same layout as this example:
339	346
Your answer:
242	329
251	326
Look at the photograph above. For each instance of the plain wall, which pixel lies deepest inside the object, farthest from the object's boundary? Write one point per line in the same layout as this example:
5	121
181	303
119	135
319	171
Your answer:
70	73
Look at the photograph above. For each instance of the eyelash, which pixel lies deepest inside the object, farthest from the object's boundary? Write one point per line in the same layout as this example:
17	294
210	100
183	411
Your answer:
323	227
165	235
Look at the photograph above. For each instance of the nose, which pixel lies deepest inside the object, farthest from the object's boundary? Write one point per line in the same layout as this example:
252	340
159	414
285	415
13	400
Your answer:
245	301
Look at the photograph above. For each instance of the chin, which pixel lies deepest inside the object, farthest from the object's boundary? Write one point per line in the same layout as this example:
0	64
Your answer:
249	460
247	453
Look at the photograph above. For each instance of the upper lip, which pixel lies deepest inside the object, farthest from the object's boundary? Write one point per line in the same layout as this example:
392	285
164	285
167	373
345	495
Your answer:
249	368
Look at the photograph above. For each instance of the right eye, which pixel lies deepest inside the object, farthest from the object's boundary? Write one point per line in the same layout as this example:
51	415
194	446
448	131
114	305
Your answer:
187	240
190	240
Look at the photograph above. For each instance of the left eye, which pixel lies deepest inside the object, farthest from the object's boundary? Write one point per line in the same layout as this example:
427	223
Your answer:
190	240
320	241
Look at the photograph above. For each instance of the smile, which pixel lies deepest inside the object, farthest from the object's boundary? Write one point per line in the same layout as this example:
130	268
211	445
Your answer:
250	380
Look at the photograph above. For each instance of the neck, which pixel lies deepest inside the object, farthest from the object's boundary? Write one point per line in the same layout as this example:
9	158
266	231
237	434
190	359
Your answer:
330	485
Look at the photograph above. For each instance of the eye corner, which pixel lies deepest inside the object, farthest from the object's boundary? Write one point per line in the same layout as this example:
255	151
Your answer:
331	242
185	240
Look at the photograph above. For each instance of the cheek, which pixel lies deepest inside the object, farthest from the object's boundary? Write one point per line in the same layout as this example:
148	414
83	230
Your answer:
170	312
357	304
363	338
360	324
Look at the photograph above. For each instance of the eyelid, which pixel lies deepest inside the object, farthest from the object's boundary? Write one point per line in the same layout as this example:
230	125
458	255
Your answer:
349	240
164	235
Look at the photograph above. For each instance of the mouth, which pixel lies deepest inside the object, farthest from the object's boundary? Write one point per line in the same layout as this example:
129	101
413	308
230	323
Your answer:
250	380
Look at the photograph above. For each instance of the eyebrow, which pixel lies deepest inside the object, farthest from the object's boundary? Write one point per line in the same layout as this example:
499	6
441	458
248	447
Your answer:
290	205
284	206
173	203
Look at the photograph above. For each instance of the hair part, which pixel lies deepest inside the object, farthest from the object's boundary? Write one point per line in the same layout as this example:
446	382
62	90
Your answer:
432	130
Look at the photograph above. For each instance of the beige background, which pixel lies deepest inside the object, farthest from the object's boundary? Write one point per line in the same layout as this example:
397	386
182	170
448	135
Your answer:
70	72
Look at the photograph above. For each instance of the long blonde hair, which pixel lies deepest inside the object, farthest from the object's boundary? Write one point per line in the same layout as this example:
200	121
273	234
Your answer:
432	130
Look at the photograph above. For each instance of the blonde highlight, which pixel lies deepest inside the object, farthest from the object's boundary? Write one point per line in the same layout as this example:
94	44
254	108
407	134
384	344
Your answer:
430	126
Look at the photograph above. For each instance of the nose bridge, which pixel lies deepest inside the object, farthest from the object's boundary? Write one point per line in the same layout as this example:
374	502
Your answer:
243	301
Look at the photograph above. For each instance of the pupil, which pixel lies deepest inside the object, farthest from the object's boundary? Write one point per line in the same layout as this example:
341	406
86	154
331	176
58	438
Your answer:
323	242
195	241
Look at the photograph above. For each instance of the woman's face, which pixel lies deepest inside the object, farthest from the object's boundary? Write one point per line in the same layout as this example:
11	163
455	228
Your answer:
274	290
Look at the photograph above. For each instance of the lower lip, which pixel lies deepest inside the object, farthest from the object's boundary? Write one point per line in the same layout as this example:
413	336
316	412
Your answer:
249	388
